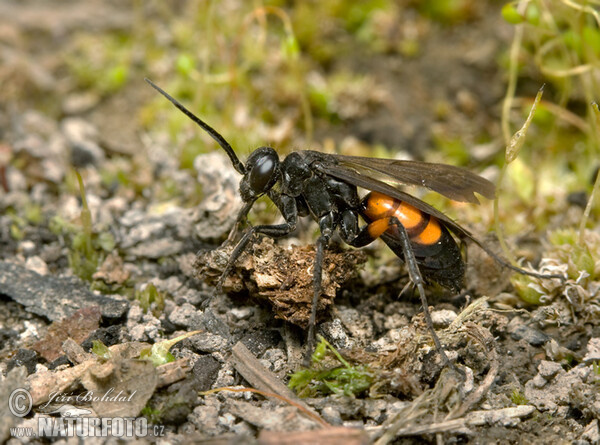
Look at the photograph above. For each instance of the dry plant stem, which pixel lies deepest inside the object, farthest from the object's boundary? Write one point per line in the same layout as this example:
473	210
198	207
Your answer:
264	380
506	107
462	425
497	227
513	148
590	203
302	408
512	79
329	436
398	424
558	111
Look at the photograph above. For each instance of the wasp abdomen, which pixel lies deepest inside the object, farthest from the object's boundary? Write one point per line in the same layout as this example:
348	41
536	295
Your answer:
422	228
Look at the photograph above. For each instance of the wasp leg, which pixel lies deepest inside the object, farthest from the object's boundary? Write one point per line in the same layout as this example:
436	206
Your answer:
327	226
287	206
374	230
415	276
241	218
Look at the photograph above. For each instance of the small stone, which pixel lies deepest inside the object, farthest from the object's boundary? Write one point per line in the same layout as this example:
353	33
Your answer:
36	264
79	103
356	323
227	420
205	372
538	381
186	316
331	415
242	313
260	341
206	417
593	351
592	432
443	318
336	334
225	376
548	369
24	357
27	247
520	331
276	358
207	342
55	297
373	408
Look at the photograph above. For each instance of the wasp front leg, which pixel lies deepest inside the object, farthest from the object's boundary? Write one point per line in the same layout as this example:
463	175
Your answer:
326	226
287	207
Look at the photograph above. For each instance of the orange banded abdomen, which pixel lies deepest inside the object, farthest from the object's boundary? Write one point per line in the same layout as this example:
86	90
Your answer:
421	227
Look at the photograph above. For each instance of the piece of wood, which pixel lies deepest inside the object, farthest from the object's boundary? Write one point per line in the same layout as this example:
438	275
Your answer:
261	378
328	436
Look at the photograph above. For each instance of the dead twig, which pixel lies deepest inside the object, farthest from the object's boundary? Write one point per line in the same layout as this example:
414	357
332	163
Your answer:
264	380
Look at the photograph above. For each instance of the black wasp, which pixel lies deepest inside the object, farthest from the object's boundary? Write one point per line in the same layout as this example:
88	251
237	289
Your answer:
324	186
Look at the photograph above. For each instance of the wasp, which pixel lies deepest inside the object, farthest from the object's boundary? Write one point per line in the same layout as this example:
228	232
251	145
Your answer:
325	187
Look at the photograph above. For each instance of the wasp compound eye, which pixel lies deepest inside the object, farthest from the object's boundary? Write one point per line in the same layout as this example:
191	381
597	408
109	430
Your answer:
262	171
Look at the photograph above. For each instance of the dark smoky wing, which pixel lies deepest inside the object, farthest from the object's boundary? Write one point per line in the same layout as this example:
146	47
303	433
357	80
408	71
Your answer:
453	182
368	183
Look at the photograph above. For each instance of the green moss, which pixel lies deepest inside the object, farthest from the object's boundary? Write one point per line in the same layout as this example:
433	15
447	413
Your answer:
329	373
579	257
153	415
518	398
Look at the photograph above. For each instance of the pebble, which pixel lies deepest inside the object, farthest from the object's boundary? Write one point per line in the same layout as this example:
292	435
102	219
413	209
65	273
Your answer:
549	369
593	351
443	318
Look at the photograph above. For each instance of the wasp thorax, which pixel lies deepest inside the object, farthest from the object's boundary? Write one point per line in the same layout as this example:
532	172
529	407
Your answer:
262	172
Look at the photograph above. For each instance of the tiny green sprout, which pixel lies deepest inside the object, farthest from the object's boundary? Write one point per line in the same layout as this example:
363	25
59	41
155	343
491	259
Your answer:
33	213
159	353
518	398
511	14
152	414
84	257
526	289
345	380
150	295
116	77
100	349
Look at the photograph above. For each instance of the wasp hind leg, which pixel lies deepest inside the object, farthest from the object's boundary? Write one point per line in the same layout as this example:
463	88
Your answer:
374	230
415	276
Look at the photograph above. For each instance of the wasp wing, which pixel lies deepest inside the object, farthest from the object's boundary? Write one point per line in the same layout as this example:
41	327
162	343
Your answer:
453	182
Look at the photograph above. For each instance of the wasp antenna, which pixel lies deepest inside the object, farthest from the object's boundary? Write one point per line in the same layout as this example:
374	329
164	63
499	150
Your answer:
210	130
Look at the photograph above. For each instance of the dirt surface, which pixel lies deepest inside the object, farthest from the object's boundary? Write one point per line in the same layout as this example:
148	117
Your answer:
95	281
